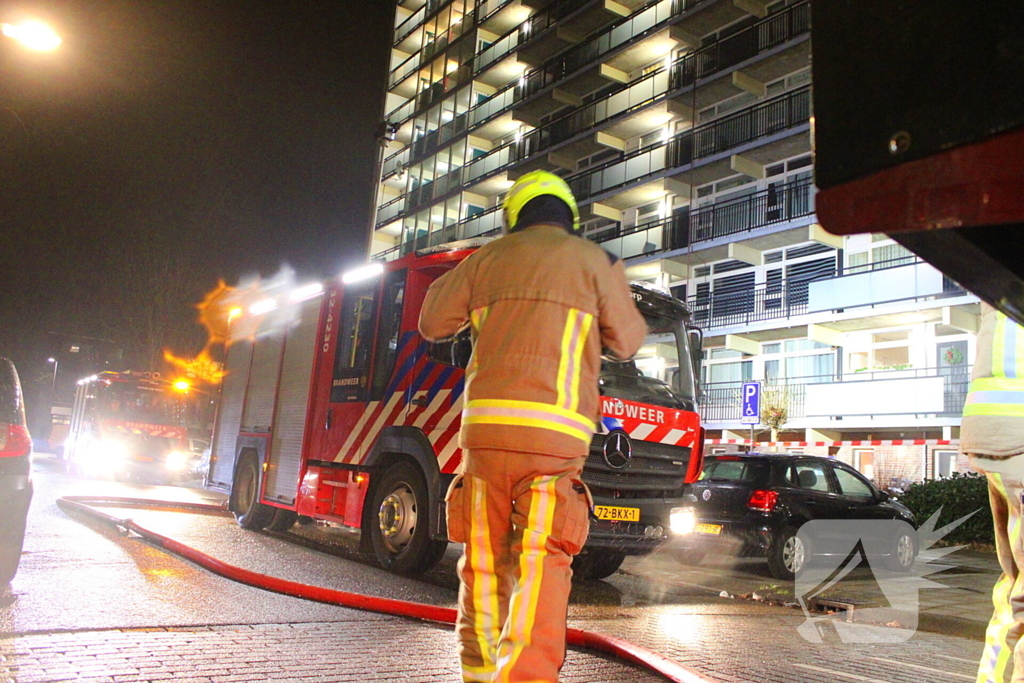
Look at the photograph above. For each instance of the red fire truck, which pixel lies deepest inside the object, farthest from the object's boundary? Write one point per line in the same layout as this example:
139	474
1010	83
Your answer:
130	425
334	408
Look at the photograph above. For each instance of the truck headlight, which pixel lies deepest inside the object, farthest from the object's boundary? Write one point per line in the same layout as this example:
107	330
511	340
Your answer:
117	451
177	461
683	520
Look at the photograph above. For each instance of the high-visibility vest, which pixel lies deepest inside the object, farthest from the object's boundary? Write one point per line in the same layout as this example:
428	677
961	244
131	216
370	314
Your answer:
1000	393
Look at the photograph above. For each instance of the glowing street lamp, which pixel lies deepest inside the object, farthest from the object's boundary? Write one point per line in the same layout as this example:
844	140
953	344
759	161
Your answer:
53	384
34	35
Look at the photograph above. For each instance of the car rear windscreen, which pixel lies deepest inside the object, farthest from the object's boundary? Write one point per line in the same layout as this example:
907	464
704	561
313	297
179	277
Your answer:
737	470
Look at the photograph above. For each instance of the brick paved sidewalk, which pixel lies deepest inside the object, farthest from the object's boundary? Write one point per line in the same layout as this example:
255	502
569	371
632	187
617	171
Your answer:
365	648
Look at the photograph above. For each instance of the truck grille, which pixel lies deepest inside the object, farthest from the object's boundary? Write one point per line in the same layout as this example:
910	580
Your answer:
654	469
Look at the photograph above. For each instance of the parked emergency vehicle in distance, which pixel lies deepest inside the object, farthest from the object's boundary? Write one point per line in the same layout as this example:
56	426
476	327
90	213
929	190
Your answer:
130	425
334	408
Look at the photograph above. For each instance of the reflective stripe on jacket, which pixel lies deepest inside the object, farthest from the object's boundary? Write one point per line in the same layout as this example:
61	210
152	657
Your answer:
542	304
993	421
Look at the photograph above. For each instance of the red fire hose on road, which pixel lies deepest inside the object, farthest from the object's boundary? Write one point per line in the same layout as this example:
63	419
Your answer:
622	649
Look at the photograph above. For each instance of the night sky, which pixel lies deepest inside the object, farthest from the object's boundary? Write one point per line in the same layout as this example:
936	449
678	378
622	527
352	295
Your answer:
169	144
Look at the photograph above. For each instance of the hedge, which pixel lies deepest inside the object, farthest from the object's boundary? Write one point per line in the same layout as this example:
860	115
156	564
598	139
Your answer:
958	495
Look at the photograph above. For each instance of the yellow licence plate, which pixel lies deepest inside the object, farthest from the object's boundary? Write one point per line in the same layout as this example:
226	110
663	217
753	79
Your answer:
617	514
709	529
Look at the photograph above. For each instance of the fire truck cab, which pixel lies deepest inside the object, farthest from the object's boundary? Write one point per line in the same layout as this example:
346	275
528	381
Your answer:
334	408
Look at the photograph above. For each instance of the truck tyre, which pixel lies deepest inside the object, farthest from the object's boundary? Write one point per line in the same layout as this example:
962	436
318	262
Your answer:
599	563
399	522
283	520
249	512
788	555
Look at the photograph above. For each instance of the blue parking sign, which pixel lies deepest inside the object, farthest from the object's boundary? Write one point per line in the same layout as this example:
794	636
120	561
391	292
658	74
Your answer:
751	403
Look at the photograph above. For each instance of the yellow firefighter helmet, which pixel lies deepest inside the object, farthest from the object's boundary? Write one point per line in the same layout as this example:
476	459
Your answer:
532	185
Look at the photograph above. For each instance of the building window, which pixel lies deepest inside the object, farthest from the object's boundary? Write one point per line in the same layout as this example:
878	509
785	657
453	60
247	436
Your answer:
945	463
864	461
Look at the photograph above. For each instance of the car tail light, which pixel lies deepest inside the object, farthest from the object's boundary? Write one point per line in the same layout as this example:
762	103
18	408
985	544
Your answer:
763	501
14	441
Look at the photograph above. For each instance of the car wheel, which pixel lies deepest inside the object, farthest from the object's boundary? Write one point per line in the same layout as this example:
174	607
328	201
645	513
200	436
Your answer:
399	526
282	520
902	552
250	513
597	564
788	555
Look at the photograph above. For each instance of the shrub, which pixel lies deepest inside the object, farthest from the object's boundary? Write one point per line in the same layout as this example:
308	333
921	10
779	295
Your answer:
959	495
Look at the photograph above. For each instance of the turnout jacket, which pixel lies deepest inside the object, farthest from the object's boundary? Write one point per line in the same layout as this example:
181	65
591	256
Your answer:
993	419
541	304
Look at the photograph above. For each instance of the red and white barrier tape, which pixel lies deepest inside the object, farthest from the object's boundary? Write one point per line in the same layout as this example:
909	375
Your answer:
822	444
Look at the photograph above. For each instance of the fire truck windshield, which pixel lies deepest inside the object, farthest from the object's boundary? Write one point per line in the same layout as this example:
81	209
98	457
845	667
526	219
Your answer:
152	404
661	374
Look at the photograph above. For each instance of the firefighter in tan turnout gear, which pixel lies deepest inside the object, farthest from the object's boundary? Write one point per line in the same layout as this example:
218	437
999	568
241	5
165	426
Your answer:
541	303
992	434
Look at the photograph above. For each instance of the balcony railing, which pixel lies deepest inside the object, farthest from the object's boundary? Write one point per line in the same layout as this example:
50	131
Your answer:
659	85
788	202
721	401
773	116
633	25
743	45
770	117
630	97
792	297
764	302
654	17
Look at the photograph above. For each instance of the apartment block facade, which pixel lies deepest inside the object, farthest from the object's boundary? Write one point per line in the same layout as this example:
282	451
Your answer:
683	128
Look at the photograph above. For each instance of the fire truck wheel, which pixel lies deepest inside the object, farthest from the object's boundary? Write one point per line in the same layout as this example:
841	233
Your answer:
249	512
283	520
399	524
599	563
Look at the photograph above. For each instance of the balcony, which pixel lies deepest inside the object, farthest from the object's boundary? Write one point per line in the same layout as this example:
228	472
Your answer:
774	116
634	26
921	393
654	17
734	217
711	222
790	298
656	87
771	117
665	84
897	280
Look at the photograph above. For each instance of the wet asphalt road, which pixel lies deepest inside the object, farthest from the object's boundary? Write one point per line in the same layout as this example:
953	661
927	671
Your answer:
79	575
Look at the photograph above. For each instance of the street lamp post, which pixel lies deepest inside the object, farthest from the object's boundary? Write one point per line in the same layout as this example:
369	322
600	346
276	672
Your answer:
53	383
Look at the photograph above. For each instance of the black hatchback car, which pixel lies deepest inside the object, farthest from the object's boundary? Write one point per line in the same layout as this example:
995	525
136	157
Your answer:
753	505
15	471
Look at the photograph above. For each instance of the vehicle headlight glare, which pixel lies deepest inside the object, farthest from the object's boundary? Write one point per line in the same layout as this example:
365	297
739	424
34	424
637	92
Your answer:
683	520
176	461
115	450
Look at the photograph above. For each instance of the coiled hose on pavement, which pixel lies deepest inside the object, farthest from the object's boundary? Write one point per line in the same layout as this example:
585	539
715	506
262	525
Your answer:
617	647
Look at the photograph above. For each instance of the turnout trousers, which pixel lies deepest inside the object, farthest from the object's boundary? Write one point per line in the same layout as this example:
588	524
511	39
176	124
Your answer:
522	517
1002	660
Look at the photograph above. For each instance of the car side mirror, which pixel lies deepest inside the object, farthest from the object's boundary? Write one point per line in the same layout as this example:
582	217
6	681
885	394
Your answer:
883	496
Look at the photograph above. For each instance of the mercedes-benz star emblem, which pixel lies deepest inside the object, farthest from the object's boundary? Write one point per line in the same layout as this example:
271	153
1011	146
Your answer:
617	450
706	495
